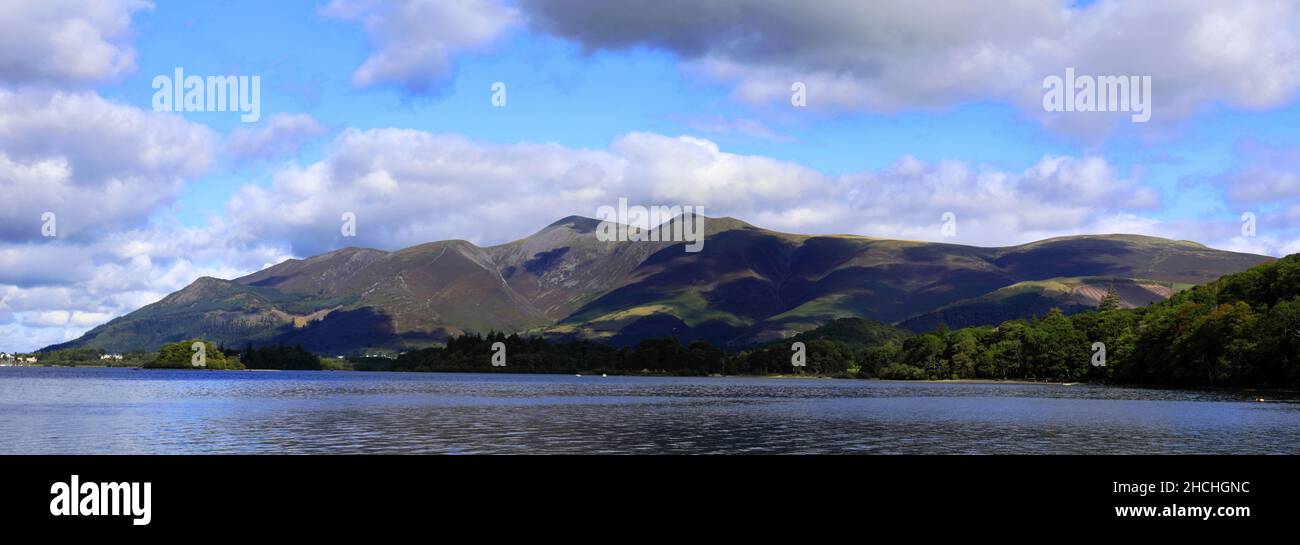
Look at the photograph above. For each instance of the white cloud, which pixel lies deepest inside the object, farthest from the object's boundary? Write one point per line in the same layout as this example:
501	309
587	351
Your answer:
96	164
66	41
42	263
891	55
1266	175
112	276
408	187
282	135
104	169
413	40
46	318
1057	196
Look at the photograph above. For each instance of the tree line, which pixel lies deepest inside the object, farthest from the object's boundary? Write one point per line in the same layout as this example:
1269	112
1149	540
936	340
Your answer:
474	353
181	355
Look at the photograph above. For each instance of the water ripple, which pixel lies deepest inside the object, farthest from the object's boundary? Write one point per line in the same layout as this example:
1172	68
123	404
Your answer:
51	410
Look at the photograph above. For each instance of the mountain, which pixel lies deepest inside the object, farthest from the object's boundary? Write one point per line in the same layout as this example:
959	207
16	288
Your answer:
747	285
1038	297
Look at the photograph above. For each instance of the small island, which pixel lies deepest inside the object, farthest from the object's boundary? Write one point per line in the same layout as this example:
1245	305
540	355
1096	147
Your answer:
188	355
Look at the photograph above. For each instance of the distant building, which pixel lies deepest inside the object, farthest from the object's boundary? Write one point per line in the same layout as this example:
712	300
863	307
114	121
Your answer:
115	357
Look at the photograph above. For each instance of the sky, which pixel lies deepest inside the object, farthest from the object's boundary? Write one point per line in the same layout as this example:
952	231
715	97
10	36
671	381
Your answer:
486	120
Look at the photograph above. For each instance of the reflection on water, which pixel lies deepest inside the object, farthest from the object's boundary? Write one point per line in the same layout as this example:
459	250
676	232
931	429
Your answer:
51	410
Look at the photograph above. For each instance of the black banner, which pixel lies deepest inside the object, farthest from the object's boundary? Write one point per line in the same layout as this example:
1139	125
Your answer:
321	494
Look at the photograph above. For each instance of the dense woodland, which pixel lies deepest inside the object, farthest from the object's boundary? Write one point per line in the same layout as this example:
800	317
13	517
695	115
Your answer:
277	357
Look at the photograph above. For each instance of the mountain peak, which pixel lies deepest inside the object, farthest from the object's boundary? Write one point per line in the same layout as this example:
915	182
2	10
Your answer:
201	288
580	224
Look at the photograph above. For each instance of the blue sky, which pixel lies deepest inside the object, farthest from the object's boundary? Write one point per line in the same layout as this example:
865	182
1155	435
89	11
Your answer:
559	93
384	109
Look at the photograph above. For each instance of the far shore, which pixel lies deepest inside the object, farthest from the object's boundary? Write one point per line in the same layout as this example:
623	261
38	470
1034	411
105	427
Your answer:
1286	394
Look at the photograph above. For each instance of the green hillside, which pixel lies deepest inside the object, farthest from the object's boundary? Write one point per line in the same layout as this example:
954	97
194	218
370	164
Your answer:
1242	330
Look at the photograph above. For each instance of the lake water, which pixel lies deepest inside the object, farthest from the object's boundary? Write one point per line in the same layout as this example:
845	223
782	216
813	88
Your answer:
54	410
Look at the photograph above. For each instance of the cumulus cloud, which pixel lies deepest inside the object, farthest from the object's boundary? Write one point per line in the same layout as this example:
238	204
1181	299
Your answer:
413	40
66	41
1266	175
103	169
1264	182
407	187
892	55
96	164
1057	196
282	135
51	293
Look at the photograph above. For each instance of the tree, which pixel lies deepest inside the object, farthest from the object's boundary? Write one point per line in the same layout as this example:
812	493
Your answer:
926	351
1110	301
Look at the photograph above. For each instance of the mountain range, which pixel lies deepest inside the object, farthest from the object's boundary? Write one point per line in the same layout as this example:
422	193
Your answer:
747	285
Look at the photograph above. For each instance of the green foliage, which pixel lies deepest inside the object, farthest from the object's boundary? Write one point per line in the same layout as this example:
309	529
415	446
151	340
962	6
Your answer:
834	350
279	357
91	357
1241	330
180	356
902	371
843	347
1110	301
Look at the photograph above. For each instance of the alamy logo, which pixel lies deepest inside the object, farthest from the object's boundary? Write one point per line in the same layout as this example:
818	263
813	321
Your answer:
200	357
102	499
49	225
498	354
633	224
1099	354
212	94
1098	94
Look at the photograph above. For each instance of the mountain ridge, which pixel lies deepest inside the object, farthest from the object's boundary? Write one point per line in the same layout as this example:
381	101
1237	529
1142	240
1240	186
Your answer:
747	285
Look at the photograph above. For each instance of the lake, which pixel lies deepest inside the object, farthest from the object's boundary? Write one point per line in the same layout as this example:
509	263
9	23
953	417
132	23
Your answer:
96	410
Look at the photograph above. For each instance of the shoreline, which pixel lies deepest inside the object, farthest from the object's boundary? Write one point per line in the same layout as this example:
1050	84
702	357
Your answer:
1287	395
